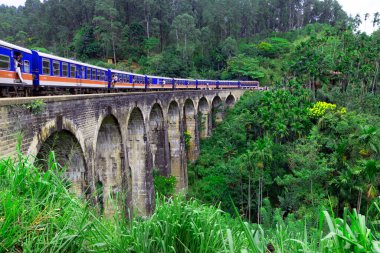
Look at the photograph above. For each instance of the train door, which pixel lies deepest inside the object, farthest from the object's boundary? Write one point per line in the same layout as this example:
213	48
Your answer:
108	79
83	74
35	69
26	70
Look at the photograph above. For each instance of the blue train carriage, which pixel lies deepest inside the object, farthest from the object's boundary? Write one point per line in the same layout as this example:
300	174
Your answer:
249	84
180	84
207	84
228	84
55	71
192	84
137	81
124	79
8	75
159	83
184	84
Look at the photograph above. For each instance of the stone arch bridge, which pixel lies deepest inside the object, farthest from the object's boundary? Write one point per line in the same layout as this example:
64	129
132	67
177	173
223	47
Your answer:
110	143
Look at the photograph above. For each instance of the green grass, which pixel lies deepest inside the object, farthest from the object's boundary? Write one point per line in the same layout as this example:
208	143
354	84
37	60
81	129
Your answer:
39	214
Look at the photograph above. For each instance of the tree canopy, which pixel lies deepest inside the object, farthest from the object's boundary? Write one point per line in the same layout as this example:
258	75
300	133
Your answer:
203	34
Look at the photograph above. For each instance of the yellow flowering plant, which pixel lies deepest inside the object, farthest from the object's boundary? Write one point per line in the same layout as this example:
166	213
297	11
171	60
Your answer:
320	108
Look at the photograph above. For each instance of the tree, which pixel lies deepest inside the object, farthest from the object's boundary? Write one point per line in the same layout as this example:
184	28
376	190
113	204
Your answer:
186	35
229	47
243	67
107	27
85	44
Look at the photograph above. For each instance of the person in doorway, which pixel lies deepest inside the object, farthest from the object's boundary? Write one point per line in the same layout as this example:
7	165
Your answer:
18	64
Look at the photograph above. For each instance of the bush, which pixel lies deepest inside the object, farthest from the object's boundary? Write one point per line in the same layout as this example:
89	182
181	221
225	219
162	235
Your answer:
164	186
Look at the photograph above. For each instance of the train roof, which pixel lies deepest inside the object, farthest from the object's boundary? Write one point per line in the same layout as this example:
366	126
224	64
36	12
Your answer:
69	61
124	72
201	80
184	79
9	45
160	77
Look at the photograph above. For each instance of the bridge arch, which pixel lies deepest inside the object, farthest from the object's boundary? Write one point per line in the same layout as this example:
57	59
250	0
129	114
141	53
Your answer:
62	136
230	101
158	140
216	111
189	118
109	165
203	117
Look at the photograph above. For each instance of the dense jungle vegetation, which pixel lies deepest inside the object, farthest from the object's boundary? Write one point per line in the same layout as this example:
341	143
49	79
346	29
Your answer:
176	38
39	214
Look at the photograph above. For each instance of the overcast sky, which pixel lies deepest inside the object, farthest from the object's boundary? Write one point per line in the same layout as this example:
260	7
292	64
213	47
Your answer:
352	7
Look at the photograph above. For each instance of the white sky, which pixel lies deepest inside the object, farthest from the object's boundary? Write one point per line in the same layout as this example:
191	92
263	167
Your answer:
352	7
361	7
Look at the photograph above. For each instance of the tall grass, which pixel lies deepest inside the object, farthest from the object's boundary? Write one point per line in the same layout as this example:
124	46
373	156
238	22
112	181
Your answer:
39	214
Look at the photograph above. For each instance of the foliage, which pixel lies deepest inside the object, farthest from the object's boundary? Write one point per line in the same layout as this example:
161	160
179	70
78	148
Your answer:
33	219
187	137
205	34
270	41
241	66
36	106
164	186
273	47
302	156
321	108
230	163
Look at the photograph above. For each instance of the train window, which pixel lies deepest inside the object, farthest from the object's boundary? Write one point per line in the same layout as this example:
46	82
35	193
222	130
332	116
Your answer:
88	73
4	62
98	75
65	69
26	66
103	76
56	70
93	74
45	66
73	70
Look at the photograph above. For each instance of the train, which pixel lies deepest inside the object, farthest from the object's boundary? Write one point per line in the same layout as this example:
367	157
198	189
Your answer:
42	72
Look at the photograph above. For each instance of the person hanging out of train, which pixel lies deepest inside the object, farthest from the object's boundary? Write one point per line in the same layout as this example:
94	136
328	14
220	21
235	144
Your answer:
18	63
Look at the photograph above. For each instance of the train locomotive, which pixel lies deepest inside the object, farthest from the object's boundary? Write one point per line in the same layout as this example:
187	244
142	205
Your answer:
50	74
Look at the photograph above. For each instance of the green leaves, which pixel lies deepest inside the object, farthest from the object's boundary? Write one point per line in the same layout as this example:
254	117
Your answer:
349	234
242	66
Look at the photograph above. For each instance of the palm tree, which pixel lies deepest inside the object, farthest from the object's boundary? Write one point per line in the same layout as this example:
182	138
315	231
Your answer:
376	19
262	151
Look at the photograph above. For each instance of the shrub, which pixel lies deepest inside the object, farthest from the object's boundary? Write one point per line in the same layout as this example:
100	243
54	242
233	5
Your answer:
164	186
